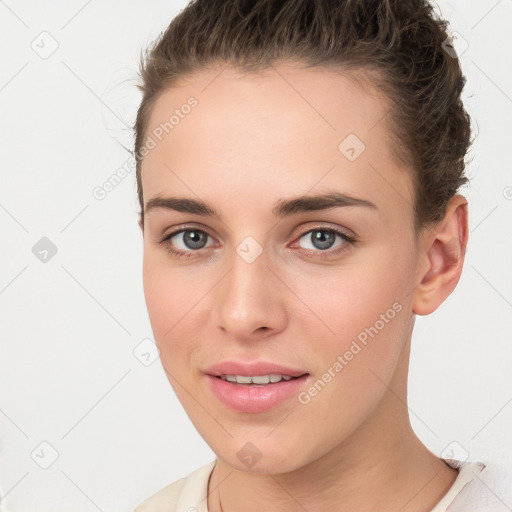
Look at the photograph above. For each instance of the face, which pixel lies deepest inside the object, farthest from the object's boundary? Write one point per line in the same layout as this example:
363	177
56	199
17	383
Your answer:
325	293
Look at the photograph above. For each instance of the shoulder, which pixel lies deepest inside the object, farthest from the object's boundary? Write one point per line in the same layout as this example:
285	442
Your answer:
488	488
163	499
189	492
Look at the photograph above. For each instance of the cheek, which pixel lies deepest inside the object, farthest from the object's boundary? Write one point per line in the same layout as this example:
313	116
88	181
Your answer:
170	296
355	296
354	365
364	307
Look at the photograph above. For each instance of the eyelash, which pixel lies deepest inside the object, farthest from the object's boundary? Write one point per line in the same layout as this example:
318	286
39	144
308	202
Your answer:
323	254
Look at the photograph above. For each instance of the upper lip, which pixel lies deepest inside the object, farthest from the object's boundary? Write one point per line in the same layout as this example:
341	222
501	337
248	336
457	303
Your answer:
253	368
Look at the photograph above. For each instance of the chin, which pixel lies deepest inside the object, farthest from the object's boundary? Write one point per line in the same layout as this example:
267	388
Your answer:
262	456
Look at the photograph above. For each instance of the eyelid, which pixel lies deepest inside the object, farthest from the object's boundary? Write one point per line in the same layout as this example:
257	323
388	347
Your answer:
321	226
184	227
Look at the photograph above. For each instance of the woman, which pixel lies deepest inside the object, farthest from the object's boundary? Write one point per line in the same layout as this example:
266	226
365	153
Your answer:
298	164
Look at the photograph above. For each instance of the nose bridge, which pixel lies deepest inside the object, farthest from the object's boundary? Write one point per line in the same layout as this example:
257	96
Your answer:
246	299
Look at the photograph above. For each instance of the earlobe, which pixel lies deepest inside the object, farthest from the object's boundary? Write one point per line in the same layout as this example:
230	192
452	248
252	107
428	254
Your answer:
445	250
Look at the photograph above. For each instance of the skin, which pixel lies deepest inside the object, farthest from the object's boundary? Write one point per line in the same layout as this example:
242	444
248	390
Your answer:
251	140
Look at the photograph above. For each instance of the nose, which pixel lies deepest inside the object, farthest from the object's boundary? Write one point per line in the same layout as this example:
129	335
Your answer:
249	302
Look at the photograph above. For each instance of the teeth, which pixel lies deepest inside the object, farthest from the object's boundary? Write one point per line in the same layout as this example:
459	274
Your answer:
260	379
256	379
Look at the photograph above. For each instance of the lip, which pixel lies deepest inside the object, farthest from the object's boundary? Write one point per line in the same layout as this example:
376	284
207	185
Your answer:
254	368
254	398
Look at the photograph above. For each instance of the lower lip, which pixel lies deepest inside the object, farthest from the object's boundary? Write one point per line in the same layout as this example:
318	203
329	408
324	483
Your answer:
254	398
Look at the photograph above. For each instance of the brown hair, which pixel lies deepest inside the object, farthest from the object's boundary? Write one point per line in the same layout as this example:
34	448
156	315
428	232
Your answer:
400	44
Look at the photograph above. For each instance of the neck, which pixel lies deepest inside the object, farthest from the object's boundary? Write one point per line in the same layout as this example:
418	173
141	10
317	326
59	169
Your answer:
381	466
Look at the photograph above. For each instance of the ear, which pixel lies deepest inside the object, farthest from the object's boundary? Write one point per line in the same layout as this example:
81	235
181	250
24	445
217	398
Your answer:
444	249
141	224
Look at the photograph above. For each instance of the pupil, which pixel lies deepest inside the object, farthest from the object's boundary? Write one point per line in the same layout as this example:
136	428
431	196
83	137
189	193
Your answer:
322	239
194	239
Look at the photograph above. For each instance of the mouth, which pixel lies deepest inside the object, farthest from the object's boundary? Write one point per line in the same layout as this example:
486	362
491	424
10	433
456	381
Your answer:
255	393
258	380
255	369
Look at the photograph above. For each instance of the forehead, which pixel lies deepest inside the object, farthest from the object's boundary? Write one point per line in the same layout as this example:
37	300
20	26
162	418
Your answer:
285	129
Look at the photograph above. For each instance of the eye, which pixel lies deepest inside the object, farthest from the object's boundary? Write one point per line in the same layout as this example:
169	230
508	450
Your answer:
184	242
323	239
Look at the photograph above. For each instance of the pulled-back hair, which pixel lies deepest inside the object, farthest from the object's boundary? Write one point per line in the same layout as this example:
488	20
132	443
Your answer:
400	44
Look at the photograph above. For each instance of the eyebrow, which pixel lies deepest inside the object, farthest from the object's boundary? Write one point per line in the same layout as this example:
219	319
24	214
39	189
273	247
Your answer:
282	208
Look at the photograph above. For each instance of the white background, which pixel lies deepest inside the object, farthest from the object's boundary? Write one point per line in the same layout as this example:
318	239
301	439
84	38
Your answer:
68	374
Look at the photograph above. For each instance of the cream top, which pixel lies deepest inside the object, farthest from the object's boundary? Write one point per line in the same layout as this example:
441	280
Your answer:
189	493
